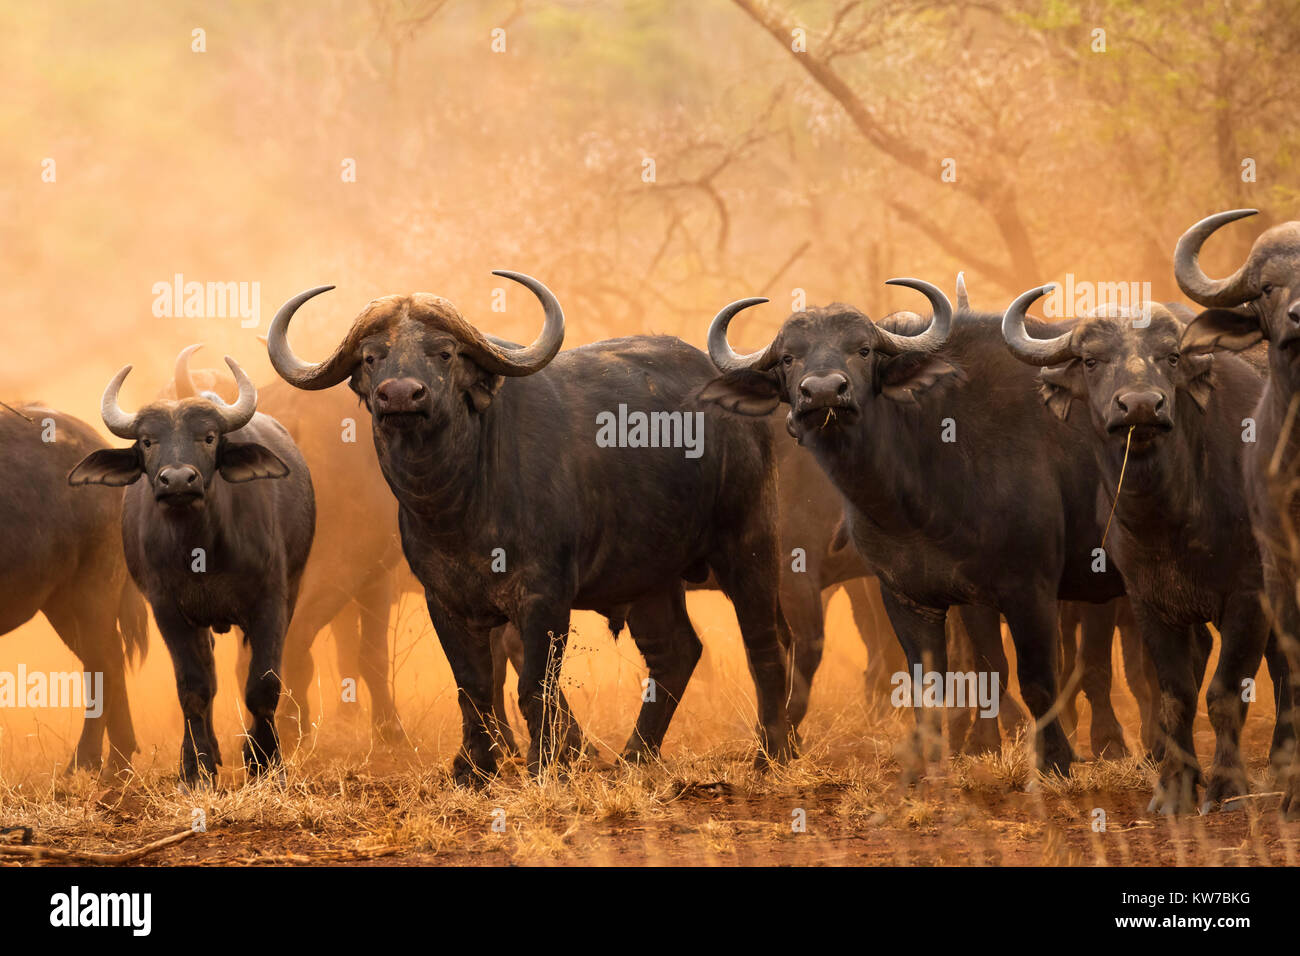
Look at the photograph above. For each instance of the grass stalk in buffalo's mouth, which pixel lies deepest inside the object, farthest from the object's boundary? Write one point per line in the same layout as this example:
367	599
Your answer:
1128	442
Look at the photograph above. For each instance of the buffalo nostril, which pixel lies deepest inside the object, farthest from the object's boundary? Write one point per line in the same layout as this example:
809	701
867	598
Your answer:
383	395
1122	406
844	387
189	479
803	391
418	393
164	479
1294	313
1160	403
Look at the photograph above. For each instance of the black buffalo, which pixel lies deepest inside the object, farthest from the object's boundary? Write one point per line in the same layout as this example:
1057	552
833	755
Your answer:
211	547
1002	516
509	509
1166	431
1260	303
61	555
350	582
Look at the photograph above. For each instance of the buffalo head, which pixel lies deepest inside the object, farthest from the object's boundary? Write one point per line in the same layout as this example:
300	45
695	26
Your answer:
415	361
1261	300
826	364
180	445
1124	363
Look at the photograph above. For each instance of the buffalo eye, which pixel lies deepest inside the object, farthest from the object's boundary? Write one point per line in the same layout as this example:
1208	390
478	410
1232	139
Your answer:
145	442
370	360
787	360
445	355
1173	359
209	438
865	351
1090	363
1266	288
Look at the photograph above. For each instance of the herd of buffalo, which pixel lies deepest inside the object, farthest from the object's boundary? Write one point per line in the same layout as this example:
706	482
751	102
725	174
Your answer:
1134	466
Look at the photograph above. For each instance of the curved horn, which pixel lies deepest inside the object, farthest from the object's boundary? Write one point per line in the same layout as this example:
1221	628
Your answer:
515	361
963	300
119	422
184	384
720	350
1187	268
891	343
1029	350
236	416
294	370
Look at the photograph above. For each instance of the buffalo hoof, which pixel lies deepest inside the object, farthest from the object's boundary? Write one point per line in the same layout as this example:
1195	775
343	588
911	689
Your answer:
1151	744
1175	793
776	747
1108	740
1290	809
200	783
983	737
79	763
1281	754
119	764
1058	760
260	760
639	752
472	773
389	732
1223	785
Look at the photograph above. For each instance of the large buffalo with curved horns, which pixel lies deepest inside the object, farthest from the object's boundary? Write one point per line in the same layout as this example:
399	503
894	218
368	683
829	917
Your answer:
211	546
510	510
1166	433
1260	302
958	489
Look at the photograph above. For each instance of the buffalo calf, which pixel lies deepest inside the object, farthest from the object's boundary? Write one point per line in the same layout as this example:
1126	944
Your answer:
212	546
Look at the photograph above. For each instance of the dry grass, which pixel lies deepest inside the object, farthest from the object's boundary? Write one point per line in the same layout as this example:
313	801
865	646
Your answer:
702	803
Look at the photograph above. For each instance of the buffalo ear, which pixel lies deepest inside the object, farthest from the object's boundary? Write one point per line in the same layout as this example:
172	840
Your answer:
902	376
1214	329
1060	385
108	466
745	392
484	390
247	461
1196	370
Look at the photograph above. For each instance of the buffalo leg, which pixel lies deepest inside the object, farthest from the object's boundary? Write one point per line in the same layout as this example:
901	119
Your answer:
667	640
884	656
346	630
375	602
470	655
1097	636
1244	635
1279	591
1035	632
801	602
196	685
1140	673
504	639
553	732
296	667
752	591
983	630
1068	622
1176	668
265	637
90	631
922	633
961	658
1282	750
